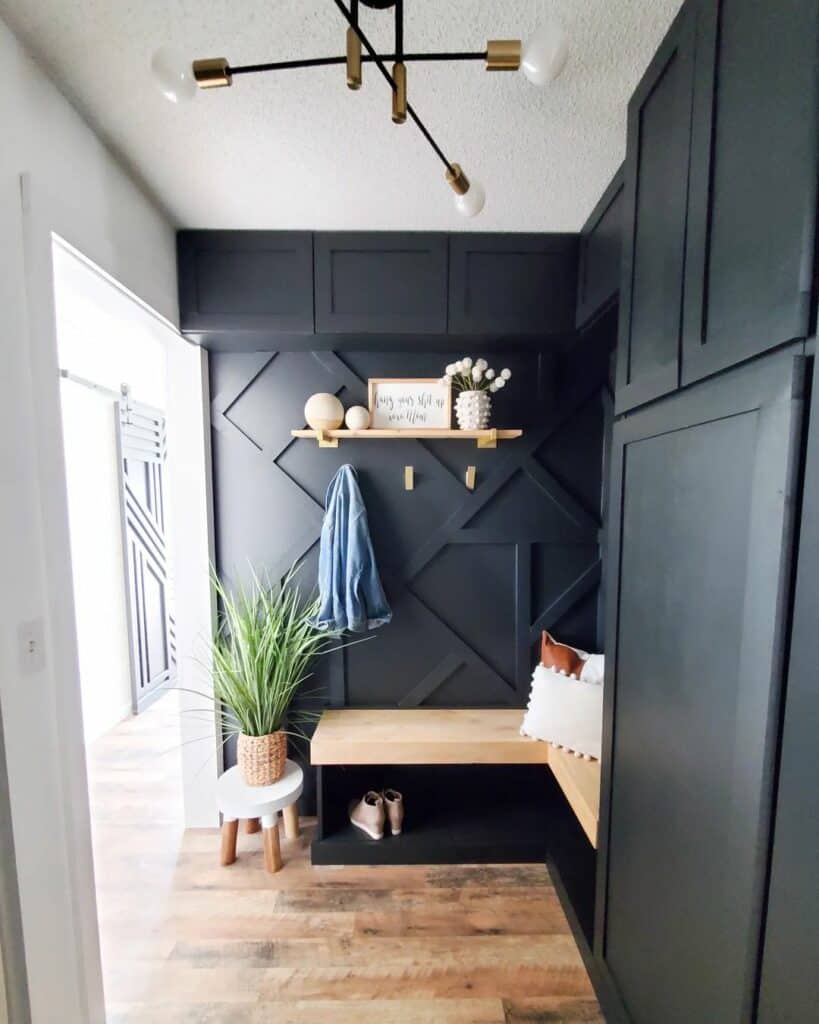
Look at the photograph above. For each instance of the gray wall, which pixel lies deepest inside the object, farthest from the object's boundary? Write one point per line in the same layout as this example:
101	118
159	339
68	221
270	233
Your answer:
472	577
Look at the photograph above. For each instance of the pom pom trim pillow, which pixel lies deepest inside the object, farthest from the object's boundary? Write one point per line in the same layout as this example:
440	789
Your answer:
566	712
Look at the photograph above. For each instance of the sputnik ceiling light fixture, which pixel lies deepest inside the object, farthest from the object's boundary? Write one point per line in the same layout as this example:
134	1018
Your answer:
541	59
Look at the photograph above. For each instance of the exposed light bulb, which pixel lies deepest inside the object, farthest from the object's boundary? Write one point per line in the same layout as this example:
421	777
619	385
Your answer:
472	201
469	195
174	75
544	54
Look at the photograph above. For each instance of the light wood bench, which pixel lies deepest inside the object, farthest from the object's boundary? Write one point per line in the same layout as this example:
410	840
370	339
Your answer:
462	736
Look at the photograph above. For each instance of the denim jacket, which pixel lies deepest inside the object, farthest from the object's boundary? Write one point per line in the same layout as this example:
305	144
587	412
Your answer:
351	595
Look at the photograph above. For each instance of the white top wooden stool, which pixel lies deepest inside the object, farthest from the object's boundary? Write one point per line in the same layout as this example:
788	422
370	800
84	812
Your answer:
238	800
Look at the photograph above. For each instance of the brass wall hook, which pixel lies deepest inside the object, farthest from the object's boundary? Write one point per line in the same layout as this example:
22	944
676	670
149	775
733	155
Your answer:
409	478
470	478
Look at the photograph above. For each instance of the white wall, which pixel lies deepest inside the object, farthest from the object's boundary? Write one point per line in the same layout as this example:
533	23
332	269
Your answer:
190	479
95	526
71	186
104	336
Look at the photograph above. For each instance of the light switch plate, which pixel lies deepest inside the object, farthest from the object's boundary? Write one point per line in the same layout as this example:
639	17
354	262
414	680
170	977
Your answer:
31	645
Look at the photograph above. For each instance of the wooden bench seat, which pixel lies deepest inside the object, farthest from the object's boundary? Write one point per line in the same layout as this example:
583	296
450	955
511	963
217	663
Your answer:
432	736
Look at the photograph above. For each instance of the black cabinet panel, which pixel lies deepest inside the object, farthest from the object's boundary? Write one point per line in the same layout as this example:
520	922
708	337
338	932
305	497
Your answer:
520	284
245	281
752	195
703	487
789	992
381	281
598	277
656	178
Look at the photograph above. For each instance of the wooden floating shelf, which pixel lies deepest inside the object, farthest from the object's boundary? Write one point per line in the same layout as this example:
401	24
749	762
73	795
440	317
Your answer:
483	438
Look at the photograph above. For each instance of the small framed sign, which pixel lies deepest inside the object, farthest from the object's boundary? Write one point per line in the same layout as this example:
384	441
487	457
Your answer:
409	403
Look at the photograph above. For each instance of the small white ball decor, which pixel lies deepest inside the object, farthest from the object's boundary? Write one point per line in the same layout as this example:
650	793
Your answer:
474	380
323	411
357	418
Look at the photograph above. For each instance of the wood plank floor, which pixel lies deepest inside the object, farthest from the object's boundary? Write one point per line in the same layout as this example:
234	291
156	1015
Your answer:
185	941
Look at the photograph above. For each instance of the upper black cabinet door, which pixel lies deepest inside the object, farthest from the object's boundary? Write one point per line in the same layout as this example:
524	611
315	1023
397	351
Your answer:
515	284
381	281
245	281
703	492
789	990
656	181
598	276
752	196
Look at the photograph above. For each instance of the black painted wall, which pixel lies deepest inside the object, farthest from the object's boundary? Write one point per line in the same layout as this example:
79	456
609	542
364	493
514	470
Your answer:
472	577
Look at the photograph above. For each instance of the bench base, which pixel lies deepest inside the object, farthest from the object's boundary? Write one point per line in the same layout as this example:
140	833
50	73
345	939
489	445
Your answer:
455	814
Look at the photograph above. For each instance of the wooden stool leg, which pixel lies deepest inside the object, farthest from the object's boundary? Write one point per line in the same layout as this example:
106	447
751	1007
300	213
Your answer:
272	850
252	825
230	828
291	821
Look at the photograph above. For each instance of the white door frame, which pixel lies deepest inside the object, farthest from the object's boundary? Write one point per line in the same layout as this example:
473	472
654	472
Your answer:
41	702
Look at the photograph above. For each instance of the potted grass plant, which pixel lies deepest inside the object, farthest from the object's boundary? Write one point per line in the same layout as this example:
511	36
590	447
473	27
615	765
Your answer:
261	653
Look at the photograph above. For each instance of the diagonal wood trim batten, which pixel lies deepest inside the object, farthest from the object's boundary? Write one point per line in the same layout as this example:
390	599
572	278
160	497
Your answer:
428	628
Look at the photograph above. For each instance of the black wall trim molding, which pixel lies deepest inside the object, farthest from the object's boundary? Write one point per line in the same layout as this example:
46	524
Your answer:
472	576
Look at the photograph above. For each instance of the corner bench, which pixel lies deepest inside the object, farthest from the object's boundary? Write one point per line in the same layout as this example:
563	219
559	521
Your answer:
473	785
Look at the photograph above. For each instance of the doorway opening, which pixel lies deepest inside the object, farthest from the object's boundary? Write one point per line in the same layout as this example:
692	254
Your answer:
114	396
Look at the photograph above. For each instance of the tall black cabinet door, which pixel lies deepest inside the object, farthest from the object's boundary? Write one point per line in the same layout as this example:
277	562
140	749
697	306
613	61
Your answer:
656	181
600	249
385	281
789	991
702	502
752	192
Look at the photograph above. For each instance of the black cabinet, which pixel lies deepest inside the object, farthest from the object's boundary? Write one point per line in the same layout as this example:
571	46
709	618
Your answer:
656	181
512	284
752	192
789	990
262	289
386	281
256	281
600	249
702	501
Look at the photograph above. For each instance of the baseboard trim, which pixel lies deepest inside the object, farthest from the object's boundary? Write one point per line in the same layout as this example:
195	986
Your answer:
611	1004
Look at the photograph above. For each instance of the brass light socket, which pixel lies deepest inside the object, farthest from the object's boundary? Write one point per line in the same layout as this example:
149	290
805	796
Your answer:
353	59
399	95
457	180
212	73
503	55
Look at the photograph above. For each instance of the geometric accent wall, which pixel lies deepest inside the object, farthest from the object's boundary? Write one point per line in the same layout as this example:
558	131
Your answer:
472	576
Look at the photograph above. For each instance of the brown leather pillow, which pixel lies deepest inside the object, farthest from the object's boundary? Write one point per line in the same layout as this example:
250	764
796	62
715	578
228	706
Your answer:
559	657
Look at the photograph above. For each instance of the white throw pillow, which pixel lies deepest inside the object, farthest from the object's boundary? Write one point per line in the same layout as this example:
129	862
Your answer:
566	711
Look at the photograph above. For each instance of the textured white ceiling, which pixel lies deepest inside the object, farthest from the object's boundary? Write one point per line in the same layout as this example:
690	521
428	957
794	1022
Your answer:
297	149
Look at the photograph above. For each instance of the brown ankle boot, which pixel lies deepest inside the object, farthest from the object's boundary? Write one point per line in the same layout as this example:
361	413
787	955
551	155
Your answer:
394	802
368	814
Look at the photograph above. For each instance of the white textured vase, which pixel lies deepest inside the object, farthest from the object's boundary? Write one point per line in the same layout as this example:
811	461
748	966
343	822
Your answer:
472	409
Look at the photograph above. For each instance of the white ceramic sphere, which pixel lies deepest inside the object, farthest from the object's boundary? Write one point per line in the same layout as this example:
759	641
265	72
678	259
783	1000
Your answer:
357	418
323	412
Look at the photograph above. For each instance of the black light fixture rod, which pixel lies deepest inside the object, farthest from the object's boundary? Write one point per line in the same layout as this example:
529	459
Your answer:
379	63
284	65
464	55
317	62
399	29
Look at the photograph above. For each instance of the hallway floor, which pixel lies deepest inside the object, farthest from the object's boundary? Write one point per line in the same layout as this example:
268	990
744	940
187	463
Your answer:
185	941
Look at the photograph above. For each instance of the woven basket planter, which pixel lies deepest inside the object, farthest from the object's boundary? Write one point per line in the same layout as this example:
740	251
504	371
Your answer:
262	758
